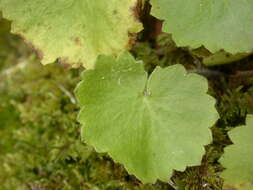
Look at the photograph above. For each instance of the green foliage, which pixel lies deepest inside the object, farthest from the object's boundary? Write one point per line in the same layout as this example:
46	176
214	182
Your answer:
238	158
139	120
216	24
40	145
218	58
76	31
147	114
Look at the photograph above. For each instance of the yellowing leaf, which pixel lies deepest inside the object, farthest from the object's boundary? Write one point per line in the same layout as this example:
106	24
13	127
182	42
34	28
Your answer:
76	31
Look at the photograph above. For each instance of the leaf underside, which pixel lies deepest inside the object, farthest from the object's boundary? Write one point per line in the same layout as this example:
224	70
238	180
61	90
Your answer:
237	158
151	125
76	31
216	24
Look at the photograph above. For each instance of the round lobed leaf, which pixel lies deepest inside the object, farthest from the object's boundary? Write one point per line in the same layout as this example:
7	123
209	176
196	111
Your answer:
216	24
153	124
76	31
237	158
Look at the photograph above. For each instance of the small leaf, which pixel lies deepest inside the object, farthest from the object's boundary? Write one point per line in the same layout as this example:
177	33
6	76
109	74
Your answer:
76	31
218	58
151	125
216	24
237	158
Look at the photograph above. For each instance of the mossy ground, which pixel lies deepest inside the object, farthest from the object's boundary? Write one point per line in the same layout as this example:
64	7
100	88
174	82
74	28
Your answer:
40	146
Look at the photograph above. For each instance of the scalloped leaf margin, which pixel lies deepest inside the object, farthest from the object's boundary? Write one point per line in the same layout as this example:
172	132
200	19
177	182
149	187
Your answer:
75	31
237	158
216	24
151	125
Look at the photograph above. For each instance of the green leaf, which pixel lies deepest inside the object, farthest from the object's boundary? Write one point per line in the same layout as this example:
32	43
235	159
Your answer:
221	58
153	124
216	24
237	158
76	31
218	58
